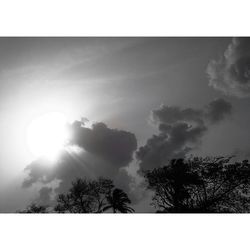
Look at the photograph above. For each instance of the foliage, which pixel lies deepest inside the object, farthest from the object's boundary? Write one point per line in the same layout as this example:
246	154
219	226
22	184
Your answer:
201	185
85	196
117	201
92	196
34	208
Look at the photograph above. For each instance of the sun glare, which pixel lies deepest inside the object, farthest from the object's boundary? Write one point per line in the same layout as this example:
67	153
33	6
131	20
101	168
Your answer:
46	135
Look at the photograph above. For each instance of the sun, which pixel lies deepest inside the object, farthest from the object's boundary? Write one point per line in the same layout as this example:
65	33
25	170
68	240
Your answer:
46	135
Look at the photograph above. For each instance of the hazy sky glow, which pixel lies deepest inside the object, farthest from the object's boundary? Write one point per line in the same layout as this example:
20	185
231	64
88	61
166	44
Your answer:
129	89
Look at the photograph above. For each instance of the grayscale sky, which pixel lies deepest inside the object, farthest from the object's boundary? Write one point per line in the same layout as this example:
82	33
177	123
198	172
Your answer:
143	86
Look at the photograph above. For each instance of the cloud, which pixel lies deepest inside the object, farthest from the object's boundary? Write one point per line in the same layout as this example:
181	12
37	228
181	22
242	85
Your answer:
45	195
217	110
180	131
114	146
170	115
92	153
65	169
231	73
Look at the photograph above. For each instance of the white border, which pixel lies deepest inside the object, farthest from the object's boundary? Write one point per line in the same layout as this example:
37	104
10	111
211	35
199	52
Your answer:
124	18
123	232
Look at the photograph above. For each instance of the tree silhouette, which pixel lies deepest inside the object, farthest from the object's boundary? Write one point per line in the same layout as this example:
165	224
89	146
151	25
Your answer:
84	196
225	186
92	196
34	208
117	201
201	185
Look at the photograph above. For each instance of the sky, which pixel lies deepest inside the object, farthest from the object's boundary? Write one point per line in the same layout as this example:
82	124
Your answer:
143	102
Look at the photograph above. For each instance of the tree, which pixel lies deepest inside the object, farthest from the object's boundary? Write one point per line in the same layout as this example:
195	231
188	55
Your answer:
90	196
85	196
201	185
117	201
225	186
34	208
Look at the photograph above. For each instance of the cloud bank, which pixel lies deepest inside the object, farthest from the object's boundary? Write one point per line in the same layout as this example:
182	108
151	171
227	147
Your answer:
180	131
91	153
231	73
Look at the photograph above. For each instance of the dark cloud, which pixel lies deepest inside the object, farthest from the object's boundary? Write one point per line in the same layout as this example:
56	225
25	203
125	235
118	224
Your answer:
231	73
180	131
65	169
217	110
92	153
114	146
170	115
175	137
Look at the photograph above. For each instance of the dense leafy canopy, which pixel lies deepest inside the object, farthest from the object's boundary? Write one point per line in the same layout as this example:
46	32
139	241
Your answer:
201	185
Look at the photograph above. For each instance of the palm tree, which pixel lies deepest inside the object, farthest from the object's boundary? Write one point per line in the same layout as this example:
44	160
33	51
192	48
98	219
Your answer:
118	200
